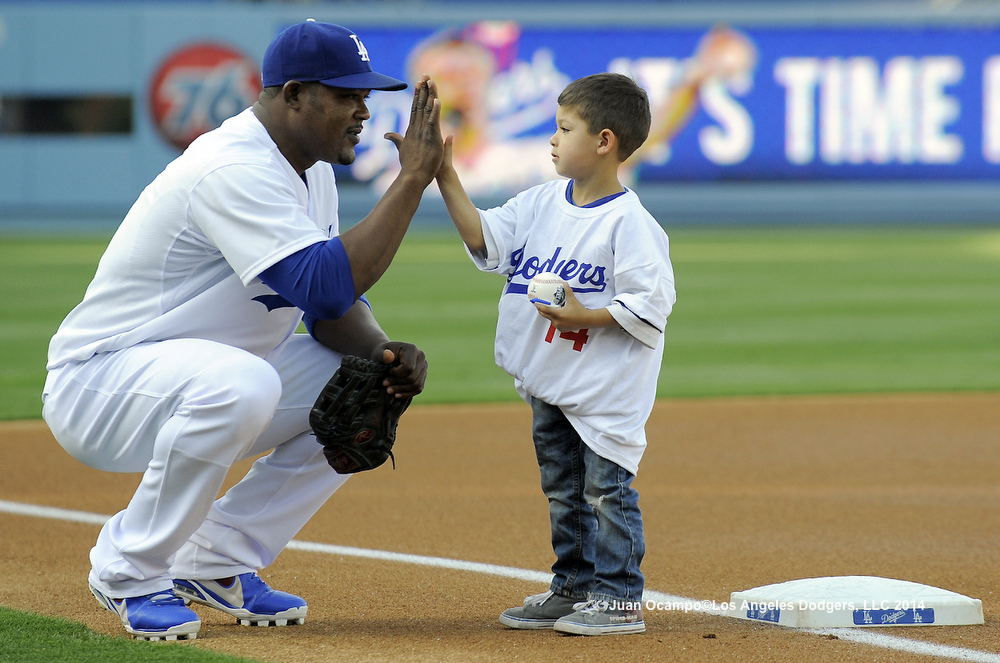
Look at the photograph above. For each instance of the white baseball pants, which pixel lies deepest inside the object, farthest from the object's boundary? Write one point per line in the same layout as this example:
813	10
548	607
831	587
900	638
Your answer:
182	412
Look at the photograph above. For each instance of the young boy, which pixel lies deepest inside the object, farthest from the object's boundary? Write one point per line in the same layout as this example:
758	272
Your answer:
589	368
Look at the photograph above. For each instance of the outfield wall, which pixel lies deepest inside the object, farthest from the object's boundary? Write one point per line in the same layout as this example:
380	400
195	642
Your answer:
843	112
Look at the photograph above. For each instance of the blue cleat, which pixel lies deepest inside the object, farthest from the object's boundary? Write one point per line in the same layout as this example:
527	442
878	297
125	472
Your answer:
247	598
157	616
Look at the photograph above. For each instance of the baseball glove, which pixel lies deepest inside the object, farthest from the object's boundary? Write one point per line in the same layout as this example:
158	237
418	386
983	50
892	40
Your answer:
354	417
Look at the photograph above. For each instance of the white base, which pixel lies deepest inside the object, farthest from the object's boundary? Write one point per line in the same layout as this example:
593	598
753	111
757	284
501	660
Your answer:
854	601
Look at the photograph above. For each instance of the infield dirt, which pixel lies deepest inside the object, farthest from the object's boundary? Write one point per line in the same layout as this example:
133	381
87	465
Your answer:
735	493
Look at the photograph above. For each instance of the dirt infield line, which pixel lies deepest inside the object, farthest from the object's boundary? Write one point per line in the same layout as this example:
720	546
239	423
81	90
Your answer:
878	640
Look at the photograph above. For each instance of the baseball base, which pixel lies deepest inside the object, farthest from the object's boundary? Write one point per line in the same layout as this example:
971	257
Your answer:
854	601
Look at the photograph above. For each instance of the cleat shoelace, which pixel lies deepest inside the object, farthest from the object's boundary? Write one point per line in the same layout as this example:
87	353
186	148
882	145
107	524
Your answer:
166	598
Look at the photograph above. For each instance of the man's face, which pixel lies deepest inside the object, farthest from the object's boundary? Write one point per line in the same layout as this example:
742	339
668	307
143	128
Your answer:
332	119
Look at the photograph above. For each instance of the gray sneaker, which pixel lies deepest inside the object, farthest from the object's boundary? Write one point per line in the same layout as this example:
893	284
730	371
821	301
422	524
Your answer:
538	611
603	618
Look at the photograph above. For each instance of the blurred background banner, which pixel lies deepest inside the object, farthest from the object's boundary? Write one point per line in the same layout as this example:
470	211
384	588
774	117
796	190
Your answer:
96	98
768	104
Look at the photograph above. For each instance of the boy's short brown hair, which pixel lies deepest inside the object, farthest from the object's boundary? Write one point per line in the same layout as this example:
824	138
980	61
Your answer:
611	101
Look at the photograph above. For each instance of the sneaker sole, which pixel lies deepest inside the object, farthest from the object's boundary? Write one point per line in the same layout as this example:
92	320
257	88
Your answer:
186	631
588	629
291	617
527	624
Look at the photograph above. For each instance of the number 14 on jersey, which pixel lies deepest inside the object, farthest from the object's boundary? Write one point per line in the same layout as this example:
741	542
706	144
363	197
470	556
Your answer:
578	337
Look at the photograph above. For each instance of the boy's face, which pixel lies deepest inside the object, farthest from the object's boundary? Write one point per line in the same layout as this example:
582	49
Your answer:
574	148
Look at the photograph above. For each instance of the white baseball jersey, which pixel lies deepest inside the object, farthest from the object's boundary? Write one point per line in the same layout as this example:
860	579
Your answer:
179	361
184	262
614	256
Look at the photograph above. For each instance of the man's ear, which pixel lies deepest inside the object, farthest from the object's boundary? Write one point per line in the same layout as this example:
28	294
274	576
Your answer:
291	92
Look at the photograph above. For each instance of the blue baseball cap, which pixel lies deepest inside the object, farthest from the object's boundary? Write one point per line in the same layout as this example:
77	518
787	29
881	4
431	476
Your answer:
322	52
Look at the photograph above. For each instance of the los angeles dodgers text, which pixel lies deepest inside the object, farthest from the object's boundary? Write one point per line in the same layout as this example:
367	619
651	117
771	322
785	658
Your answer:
582	276
833	606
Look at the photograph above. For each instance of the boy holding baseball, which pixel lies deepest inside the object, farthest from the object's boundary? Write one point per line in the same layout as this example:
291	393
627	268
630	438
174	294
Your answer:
588	368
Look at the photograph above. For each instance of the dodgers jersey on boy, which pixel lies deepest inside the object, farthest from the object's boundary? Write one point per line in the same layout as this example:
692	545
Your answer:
614	256
185	265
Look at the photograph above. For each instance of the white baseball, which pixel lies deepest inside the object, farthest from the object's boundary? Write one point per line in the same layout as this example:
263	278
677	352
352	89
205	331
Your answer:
547	288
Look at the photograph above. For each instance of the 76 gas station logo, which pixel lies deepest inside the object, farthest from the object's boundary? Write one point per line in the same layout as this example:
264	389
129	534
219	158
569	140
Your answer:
197	88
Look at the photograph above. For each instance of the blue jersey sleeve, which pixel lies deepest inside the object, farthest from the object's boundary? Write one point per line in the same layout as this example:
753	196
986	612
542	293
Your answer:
317	279
310	321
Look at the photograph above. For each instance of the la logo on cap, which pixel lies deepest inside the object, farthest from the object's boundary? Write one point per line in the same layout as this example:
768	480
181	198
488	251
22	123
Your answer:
362	51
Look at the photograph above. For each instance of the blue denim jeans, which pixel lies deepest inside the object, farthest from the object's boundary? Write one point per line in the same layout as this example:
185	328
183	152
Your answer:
593	511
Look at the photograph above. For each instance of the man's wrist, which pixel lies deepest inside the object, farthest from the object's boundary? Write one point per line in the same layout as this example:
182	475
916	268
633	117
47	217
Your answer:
414	179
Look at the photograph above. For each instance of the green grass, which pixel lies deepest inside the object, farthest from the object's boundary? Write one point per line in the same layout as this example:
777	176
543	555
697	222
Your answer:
834	310
33	639
42	280
759	311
